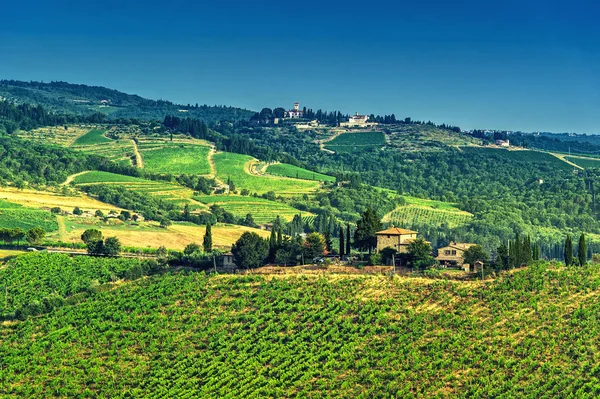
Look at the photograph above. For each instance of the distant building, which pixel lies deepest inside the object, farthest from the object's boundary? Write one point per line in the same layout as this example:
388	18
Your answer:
503	143
453	254
294	113
227	264
395	238
357	120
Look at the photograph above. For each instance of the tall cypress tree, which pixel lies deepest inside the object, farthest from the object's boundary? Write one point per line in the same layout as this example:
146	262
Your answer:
272	246
279	238
518	252
527	252
348	240
582	250
535	255
569	251
342	244
207	242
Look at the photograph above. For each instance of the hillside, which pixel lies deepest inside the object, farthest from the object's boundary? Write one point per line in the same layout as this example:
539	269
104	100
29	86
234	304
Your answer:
530	334
83	99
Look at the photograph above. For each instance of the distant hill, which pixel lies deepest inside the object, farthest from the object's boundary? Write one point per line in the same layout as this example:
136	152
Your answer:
85	100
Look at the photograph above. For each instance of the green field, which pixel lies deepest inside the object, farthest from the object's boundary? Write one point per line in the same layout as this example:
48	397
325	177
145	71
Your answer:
94	136
530	334
585	162
14	216
537	157
262	210
286	170
177	159
419	212
230	165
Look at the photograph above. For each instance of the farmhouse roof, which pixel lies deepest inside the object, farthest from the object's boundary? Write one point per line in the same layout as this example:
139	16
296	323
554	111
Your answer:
463	246
395	231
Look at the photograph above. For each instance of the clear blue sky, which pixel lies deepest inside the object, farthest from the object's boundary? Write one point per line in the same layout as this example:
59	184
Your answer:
516	65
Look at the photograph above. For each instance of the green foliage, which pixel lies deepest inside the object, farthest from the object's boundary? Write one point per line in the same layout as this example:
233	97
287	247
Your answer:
35	235
420	254
582	250
364	236
91	235
207	242
250	251
356	142
314	246
568	251
474	254
14	216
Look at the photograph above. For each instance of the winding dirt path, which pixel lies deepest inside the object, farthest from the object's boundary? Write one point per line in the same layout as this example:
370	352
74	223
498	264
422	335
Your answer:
72	177
564	159
139	161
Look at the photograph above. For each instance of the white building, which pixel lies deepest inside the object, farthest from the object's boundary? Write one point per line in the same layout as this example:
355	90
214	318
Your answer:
294	113
357	120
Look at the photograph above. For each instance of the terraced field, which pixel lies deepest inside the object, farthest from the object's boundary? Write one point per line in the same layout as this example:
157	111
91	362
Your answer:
121	150
262	210
286	170
418	212
237	167
175	157
14	216
163	190
352	142
56	134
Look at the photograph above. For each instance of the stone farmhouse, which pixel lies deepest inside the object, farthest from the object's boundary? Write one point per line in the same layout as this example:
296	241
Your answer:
453	254
396	238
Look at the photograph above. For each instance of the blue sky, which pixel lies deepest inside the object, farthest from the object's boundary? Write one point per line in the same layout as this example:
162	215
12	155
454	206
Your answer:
515	65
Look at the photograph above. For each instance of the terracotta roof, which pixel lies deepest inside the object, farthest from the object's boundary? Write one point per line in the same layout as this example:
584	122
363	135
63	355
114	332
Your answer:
395	231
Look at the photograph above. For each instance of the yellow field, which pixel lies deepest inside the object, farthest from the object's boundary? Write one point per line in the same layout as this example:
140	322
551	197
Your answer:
56	134
46	199
150	235
5	253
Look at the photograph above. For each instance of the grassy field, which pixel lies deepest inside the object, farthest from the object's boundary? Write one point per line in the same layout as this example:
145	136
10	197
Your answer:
236	167
47	200
353	142
177	159
418	212
94	136
585	162
14	216
120	150
150	235
530	334
7	253
262	210
286	170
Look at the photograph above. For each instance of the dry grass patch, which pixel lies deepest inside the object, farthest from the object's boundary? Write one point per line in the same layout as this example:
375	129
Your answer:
47	199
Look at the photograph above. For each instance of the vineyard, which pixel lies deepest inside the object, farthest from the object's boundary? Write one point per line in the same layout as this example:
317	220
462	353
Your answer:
55	134
535	157
165	157
296	172
30	278
530	334
262	210
236	167
14	216
585	162
420	212
94	136
356	142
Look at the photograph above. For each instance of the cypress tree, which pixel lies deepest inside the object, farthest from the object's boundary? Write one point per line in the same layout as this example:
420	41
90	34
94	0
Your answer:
518	251
342	244
582	250
535	255
207	242
279	238
527	252
348	242
568	251
272	246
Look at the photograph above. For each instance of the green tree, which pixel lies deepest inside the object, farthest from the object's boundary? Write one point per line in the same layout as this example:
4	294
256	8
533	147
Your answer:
112	246
77	211
535	253
568	251
474	254
419	251
348	241
99	214
272	246
35	235
582	250
342	243
207	242
165	223
503	257
95	247
91	235
250	251
314	246
328	242
191	248
364	236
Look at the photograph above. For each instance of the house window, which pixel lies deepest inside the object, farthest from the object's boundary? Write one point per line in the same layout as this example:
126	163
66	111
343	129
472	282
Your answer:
389	236
453	252
447	252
